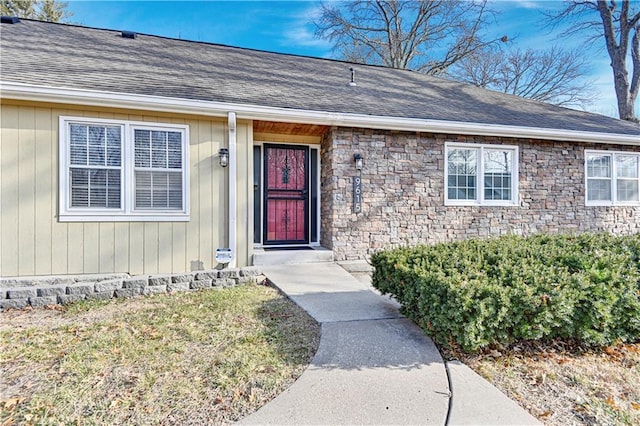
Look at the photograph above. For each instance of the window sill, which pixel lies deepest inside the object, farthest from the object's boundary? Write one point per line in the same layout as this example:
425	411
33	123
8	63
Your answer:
610	204
155	217
449	203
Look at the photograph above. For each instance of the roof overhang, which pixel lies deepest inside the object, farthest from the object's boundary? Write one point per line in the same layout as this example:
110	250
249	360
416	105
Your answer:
27	92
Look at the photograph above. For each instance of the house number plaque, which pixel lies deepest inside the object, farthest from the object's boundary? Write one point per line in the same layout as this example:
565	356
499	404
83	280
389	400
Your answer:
357	194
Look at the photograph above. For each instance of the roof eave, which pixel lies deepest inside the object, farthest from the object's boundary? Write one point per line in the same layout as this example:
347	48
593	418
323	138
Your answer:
28	92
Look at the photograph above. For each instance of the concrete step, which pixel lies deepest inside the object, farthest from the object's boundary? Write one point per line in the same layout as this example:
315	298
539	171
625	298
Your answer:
263	257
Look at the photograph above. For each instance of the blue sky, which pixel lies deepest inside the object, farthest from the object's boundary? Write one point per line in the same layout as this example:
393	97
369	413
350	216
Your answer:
285	26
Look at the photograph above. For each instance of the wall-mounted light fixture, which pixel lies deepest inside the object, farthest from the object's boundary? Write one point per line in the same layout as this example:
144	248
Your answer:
224	157
357	158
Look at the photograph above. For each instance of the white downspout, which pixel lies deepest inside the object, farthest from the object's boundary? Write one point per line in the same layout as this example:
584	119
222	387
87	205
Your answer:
232	189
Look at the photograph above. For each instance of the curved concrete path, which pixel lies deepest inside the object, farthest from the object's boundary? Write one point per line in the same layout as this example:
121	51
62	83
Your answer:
373	366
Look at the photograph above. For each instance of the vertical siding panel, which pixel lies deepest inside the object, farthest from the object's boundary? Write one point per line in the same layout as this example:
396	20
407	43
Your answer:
9	190
205	194
179	238
26	191
136	251
91	244
121	247
44	191
75	248
165	249
193	226
150	247
59	240
106	247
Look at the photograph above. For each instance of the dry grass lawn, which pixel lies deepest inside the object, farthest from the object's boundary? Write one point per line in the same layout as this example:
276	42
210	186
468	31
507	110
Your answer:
567	385
207	357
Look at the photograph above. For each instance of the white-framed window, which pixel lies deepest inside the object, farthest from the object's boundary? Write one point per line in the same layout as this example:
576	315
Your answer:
612	178
481	174
117	170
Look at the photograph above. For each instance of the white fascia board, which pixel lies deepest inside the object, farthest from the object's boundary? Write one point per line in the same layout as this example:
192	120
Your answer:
21	91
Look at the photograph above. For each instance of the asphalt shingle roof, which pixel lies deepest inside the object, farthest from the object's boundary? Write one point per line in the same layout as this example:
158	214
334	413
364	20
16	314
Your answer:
60	55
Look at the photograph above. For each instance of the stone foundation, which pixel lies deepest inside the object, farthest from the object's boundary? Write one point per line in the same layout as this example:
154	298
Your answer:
403	193
21	292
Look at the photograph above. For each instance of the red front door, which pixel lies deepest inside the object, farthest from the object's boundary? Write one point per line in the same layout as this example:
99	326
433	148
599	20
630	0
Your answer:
286	194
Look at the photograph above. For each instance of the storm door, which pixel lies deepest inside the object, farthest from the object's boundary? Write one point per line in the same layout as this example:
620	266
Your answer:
286	194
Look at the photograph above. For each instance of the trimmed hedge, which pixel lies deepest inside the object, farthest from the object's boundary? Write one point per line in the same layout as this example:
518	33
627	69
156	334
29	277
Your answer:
477	293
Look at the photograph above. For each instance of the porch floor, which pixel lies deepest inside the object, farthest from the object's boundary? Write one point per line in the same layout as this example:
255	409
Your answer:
286	256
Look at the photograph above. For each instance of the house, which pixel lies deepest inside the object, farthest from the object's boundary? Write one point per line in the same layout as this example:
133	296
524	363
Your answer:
124	152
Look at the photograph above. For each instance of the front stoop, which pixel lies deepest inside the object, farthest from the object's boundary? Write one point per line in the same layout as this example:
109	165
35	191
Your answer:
263	257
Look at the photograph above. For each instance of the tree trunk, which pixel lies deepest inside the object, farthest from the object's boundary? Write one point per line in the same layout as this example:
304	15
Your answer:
626	93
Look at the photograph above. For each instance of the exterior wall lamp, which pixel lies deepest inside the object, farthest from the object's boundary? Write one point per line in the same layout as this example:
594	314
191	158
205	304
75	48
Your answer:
224	157
357	158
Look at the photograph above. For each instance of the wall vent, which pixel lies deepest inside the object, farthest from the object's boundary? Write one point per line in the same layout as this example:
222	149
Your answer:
128	34
9	19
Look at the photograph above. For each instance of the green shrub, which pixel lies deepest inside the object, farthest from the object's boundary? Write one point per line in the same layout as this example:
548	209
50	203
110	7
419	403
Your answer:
498	291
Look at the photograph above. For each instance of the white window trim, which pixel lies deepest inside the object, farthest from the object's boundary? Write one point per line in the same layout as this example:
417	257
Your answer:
614	178
126	213
480	201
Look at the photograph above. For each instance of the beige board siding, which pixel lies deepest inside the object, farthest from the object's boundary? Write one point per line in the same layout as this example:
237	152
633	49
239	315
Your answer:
33	242
9	138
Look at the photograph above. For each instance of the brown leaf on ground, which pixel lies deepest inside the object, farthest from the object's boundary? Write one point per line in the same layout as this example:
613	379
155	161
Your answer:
544	415
11	403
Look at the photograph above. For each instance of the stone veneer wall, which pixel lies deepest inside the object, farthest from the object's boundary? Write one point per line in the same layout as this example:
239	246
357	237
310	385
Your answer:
403	193
20	292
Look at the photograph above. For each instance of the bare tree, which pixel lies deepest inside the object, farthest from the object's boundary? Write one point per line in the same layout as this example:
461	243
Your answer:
44	10
618	23
554	75
427	36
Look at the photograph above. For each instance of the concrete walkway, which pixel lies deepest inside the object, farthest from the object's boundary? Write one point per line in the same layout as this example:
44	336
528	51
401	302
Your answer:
373	366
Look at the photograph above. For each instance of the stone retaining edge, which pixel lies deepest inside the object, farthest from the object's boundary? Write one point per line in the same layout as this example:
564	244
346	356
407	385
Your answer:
19	293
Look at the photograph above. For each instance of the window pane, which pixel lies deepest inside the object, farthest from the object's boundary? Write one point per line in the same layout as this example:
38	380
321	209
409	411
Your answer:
142	145
462	170
114	146
79	197
497	174
95	188
598	166
627	166
175	150
627	190
78	144
599	190
158	190
175	190
78	133
159	149
97	145
113	188
79	187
